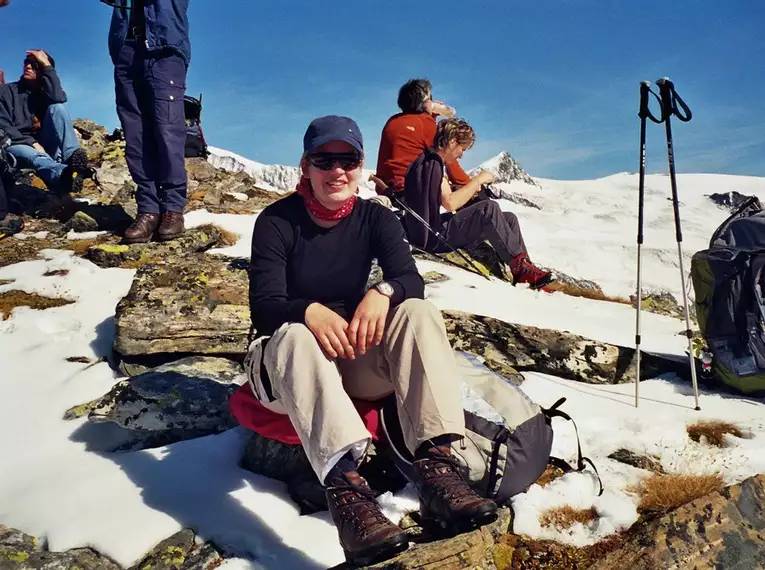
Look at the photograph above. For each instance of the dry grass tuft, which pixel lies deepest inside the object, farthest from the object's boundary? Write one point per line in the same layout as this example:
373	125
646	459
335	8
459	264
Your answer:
227	238
576	291
662	493
549	475
12	299
566	516
714	431
56	273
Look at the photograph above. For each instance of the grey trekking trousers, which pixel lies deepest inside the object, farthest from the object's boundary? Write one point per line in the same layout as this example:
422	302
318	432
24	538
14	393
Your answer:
485	220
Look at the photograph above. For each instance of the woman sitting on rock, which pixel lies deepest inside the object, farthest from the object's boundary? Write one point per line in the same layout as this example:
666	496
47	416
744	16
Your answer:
327	339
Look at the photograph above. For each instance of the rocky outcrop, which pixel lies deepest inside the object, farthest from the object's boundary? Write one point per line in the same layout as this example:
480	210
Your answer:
730	201
474	549
480	258
507	348
664	303
19	551
194	304
173	402
194	240
722	530
647	462
182	551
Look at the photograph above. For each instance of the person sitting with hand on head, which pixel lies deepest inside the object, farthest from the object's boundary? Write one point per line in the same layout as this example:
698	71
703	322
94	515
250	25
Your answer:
33	114
326	339
427	189
407	134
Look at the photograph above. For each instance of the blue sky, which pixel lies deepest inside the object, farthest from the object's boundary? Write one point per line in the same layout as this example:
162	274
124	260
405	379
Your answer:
555	83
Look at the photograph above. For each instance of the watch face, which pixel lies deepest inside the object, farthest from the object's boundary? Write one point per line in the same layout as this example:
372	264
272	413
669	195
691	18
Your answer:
385	288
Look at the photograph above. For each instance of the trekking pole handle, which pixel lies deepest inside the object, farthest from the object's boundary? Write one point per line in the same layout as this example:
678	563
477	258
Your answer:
644	112
672	103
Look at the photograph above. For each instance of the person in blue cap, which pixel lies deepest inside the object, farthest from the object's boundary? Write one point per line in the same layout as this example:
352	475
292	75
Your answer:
324	338
150	48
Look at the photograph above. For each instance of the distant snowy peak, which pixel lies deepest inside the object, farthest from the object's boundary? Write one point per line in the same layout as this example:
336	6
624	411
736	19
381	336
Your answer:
507	169
275	177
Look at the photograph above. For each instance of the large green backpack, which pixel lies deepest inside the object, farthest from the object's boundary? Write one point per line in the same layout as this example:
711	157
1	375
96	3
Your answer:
729	282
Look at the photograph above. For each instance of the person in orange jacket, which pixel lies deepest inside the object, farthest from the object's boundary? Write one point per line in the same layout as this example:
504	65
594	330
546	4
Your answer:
407	134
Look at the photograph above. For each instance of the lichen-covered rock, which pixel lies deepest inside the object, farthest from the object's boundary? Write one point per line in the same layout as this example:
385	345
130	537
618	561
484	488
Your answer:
194	240
725	529
470	550
480	258
19	551
646	462
507	348
189	396
181	552
432	277
664	303
197	304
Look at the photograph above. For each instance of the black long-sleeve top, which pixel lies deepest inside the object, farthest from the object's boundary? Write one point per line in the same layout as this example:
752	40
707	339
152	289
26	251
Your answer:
21	101
295	262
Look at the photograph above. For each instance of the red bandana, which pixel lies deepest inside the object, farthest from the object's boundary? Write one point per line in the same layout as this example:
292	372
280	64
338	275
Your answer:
319	211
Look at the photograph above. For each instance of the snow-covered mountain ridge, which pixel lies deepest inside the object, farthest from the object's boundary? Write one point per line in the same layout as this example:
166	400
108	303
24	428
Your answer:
586	228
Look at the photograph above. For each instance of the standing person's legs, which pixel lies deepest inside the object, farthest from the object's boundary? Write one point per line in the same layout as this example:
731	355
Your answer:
167	78
57	134
134	111
44	166
485	221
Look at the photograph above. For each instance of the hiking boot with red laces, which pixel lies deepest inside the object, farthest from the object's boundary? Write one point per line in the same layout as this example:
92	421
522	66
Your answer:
142	229
171	226
445	497
366	535
524	271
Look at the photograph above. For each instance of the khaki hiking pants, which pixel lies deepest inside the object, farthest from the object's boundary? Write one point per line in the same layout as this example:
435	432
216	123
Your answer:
414	360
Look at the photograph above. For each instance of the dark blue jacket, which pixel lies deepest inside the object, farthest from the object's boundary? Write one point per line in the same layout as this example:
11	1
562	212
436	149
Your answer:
21	101
422	193
167	28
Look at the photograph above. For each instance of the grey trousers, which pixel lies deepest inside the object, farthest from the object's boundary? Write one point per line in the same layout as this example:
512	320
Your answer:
486	221
414	361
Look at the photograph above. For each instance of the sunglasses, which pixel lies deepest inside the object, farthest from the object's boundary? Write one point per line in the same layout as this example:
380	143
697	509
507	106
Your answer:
326	160
33	63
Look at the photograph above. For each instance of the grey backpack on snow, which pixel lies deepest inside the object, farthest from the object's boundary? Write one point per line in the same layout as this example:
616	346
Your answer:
508	437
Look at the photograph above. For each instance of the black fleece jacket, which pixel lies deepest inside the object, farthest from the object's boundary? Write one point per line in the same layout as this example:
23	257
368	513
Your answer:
295	262
20	101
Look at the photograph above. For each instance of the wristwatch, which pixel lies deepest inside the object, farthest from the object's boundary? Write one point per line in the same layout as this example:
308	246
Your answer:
385	288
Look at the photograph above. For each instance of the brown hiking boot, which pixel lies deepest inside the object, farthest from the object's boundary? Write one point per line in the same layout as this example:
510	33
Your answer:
171	226
366	535
142	229
524	271
445	497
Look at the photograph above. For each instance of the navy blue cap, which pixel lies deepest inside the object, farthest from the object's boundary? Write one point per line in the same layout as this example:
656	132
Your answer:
332	128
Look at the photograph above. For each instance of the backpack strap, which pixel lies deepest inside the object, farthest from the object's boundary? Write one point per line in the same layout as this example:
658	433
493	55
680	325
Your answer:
499	439
581	462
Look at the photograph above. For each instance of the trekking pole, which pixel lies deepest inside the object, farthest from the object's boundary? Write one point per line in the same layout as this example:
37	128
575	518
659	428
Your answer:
672	104
439	237
644	113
